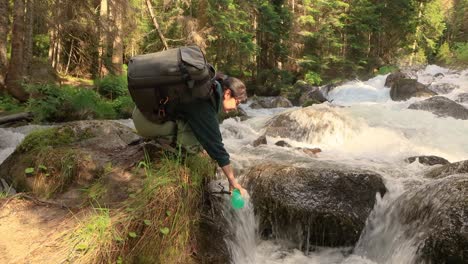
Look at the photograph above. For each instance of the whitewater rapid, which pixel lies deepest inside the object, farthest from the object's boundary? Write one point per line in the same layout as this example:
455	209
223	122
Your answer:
363	127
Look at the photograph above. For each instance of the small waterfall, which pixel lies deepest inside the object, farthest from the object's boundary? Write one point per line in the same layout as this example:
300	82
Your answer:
241	223
383	240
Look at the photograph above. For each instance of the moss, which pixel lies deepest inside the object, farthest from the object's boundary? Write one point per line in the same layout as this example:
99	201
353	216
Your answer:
52	137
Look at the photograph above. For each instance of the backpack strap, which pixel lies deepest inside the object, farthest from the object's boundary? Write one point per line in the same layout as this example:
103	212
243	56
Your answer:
185	73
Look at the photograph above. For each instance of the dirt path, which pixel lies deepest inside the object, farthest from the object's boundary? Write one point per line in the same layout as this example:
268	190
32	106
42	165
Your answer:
31	233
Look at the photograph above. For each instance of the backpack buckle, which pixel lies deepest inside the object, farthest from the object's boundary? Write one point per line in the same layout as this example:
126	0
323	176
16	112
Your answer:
162	107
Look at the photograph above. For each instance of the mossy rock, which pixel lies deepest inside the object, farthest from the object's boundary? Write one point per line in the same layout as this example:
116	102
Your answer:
324	204
76	162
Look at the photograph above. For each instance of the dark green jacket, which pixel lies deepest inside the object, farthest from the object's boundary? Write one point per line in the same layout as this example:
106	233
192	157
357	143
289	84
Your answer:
202	117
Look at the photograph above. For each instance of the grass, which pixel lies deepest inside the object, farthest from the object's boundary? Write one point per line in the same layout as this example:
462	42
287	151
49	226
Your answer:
54	170
157	224
76	81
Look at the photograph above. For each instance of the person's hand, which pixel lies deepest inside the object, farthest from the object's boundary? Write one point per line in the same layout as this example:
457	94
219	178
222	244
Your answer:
236	185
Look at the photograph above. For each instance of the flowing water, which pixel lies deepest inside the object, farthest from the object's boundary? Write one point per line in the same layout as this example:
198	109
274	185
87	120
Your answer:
368	130
362	127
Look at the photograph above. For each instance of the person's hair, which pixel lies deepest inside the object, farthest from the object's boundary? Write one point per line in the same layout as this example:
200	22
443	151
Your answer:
237	87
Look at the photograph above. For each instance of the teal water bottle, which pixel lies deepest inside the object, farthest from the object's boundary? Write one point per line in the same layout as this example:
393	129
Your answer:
237	201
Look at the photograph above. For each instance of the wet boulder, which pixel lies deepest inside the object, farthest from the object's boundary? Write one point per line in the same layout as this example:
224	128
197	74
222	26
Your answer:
443	88
436	215
305	124
285	125
462	98
260	141
270	102
394	77
404	89
439	75
75	162
428	160
282	143
442	107
324	204
448	169
312	96
214	227
308	94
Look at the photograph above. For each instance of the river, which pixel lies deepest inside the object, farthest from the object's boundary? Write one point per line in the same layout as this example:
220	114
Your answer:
370	131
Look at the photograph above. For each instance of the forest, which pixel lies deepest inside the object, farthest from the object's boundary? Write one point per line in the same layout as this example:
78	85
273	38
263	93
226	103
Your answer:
270	44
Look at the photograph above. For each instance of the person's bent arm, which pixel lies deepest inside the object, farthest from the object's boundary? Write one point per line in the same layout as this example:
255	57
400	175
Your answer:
202	118
233	184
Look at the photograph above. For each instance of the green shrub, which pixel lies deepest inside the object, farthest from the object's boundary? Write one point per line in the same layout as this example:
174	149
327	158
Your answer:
291	92
313	78
58	104
49	102
112	86
461	53
387	69
271	82
444	55
41	45
10	104
87	104
123	106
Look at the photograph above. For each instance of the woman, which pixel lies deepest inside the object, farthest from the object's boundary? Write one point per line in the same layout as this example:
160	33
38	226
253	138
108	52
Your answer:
197	123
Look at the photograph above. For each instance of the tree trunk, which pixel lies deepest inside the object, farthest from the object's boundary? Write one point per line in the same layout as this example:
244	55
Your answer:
416	35
15	70
28	37
117	45
4	29
156	24
69	57
104	36
95	38
15	117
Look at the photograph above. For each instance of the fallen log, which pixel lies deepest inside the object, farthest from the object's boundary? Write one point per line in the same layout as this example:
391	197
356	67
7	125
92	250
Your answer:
15	117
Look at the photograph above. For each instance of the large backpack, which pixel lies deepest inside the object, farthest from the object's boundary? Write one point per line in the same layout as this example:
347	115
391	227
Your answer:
160	81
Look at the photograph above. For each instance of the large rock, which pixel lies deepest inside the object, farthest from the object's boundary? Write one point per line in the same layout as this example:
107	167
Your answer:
260	141
448	169
308	94
442	106
394	77
323	205
270	102
213	227
428	160
404	89
462	98
443	88
305	124
76	162
312	96
436	215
